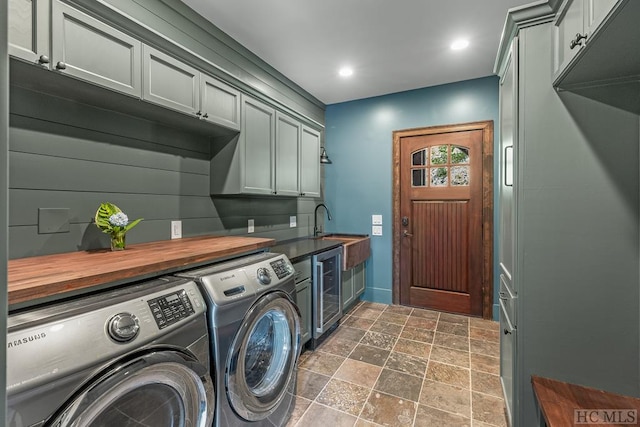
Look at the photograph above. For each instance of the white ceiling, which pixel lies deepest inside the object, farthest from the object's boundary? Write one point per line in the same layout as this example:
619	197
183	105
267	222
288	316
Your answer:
392	45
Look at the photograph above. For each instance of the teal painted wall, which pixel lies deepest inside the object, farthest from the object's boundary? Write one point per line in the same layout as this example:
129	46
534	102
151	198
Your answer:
359	142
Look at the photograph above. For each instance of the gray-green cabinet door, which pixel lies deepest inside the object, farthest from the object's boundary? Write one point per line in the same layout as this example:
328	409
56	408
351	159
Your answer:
89	49
348	295
597	10
310	163
287	146
359	279
569	23
220	103
303	300
169	82
28	30
257	145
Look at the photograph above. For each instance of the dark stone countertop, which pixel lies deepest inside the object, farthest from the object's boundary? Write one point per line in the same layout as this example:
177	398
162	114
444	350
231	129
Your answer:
299	249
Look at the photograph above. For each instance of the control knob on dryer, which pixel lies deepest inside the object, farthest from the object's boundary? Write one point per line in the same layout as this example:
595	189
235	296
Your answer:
264	276
123	327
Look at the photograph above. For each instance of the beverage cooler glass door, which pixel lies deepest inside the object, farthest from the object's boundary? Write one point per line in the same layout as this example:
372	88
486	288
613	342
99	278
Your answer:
327	290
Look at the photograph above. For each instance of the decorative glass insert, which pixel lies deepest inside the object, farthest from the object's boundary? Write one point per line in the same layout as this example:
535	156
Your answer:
459	155
419	158
439	154
439	177
418	178
460	175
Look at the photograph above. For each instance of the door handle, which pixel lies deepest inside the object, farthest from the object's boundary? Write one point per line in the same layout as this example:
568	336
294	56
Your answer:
407	234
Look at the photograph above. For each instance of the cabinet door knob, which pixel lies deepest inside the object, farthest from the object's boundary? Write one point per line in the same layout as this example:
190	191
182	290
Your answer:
61	65
506	331
199	113
206	115
302	194
44	59
577	41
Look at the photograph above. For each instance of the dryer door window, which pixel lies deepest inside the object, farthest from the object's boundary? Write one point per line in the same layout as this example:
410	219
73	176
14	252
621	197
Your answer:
163	389
263	356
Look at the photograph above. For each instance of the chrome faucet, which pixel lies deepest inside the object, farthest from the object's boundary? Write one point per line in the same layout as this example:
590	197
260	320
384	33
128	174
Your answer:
315	218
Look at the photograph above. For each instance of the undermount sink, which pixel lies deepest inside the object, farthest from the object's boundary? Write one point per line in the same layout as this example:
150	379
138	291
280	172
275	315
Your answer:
356	248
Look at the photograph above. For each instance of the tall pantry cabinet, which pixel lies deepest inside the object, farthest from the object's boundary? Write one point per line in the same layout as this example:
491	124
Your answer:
568	226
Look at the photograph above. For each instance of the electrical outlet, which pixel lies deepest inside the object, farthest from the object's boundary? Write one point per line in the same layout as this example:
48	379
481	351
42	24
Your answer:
250	226
376	219
293	221
176	229
376	230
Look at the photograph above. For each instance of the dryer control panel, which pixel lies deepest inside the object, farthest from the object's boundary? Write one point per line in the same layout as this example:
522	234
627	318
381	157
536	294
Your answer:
170	308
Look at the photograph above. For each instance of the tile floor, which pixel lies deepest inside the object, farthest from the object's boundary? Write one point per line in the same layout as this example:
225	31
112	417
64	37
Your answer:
399	366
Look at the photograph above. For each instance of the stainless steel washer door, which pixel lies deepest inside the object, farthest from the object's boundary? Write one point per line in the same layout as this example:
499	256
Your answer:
262	358
163	389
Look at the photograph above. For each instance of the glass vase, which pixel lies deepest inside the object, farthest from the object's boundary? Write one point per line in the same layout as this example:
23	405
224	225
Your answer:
118	241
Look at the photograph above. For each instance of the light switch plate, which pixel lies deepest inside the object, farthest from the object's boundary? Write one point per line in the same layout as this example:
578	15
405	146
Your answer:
376	230
53	220
293	221
176	229
376	219
250	226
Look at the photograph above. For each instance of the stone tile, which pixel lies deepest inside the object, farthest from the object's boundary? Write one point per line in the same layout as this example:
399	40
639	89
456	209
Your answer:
446	397
406	363
477	423
399	384
348	333
485	347
453	328
300	406
361	373
322	363
490	325
388	410
399	309
304	356
322	416
368	354
448	374
484	334
451	341
486	383
414	348
450	356
421	323
357	322
309	384
365	423
427	416
425	314
488	409
338	346
417	334
454	318
481	362
374	305
386	328
344	396
399	319
367	313
376	339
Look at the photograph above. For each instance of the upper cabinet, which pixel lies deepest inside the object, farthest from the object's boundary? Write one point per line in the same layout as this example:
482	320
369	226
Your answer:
287	154
309	162
595	51
28	30
89	49
219	102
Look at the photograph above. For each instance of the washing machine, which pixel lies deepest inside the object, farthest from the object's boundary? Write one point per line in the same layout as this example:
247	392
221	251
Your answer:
135	356
254	324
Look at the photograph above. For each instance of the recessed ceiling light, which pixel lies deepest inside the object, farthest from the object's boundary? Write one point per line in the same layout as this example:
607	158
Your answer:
345	71
459	44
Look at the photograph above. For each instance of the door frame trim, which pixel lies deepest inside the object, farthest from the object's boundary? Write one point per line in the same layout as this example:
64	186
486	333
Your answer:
487	204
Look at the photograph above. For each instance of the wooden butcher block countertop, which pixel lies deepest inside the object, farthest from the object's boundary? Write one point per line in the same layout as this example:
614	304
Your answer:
44	278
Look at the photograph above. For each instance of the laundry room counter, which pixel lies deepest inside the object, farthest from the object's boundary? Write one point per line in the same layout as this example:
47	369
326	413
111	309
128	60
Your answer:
41	279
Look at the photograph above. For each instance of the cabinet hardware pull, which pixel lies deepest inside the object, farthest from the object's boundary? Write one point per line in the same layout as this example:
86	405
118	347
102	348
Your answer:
199	113
407	234
506	331
61	65
503	296
577	41
206	115
44	59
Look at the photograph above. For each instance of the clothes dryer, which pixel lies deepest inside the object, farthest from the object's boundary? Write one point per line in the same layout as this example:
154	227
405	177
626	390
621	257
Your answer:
255	328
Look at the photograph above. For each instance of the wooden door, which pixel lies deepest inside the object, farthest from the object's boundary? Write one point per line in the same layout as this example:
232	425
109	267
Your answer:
441	220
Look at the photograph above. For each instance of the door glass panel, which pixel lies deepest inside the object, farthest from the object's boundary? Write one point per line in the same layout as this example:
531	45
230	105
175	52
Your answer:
459	155
149	405
418	178
460	175
439	177
419	158
439	154
268	351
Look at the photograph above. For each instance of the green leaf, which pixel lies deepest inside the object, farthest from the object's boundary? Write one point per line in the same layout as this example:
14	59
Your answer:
132	224
102	216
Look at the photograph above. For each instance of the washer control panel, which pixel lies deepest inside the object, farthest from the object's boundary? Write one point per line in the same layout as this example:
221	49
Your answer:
281	267
170	308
